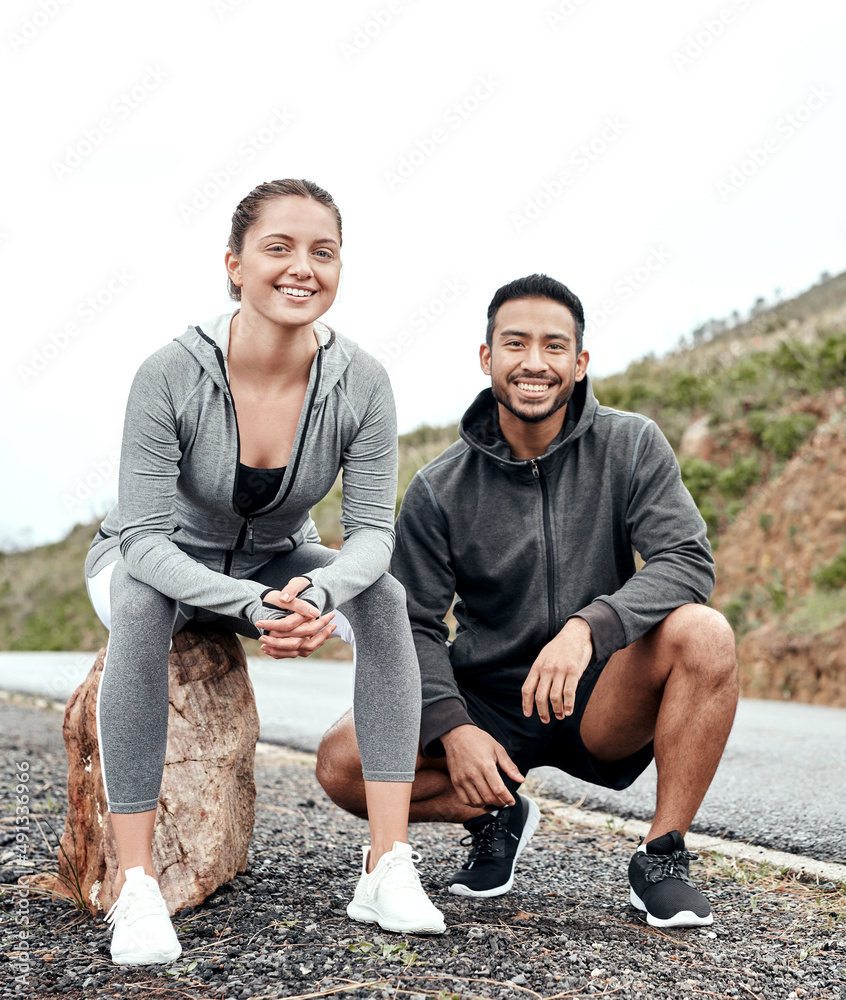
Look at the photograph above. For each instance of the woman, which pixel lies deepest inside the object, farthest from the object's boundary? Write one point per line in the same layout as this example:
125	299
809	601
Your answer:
233	432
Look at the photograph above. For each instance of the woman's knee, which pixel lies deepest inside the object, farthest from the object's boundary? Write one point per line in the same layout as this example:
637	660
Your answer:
386	593
133	600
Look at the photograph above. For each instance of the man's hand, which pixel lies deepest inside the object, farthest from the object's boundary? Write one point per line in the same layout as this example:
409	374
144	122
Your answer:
302	631
555	673
472	756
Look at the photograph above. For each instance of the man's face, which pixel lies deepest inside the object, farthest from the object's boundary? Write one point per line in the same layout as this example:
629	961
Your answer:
532	359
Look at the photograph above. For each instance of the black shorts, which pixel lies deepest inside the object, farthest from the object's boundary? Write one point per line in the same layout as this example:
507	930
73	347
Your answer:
557	743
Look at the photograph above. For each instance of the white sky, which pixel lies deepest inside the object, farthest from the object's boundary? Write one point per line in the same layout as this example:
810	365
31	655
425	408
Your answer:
184	86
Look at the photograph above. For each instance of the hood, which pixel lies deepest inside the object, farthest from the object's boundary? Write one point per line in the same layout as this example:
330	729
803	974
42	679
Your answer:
208	342
480	428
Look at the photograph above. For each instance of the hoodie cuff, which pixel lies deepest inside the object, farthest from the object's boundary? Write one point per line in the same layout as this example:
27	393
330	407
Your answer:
606	629
440	718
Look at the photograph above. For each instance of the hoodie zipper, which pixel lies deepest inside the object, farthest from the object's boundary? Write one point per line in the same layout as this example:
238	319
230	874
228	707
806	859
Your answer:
245	535
547	542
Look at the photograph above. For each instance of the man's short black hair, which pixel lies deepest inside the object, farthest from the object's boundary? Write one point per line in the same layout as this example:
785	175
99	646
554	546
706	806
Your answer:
537	286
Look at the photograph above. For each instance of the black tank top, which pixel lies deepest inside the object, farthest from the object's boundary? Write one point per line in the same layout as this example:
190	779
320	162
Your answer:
255	488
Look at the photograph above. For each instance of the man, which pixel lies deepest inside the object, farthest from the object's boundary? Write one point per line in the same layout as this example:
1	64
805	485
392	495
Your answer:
564	654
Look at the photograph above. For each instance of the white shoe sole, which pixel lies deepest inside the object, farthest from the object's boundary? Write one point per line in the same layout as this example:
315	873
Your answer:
684	918
369	915
532	821
149	958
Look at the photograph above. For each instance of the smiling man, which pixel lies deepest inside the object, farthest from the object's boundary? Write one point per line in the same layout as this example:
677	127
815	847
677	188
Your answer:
565	654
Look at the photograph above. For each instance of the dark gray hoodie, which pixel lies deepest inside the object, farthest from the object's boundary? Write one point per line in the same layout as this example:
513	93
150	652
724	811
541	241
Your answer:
178	526
527	544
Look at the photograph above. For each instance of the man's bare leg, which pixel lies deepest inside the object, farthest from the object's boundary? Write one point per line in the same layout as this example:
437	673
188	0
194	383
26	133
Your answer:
676	685
433	798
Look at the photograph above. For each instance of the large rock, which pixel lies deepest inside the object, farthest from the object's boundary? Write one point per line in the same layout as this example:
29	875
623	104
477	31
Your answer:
206	811
697	439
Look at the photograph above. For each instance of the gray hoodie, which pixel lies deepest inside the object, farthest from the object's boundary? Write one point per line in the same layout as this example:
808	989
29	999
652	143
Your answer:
176	520
527	544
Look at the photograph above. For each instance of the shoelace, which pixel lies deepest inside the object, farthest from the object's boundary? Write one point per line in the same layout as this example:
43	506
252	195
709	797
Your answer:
401	871
675	865
139	900
482	839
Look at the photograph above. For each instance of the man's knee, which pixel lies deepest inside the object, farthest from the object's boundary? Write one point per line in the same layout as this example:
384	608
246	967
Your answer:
701	639
338	767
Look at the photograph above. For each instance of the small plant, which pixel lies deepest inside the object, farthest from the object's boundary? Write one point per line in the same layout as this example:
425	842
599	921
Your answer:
70	882
778	591
175	973
765	522
735	610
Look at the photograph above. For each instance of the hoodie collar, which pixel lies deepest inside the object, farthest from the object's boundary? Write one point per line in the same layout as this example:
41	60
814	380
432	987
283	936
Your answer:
209	343
480	428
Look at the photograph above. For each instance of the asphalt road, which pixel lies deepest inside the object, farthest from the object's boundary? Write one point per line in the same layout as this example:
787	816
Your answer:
781	783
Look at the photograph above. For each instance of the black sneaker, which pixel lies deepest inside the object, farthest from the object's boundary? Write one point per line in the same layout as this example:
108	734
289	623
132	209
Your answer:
659	874
497	842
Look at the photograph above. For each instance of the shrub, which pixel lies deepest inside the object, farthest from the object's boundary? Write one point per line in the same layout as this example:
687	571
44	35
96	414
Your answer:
784	435
832	359
733	508
832	576
698	476
735	481
687	391
710	514
757	422
765	522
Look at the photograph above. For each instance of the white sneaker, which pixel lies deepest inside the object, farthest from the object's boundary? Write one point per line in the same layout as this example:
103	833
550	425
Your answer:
142	933
392	896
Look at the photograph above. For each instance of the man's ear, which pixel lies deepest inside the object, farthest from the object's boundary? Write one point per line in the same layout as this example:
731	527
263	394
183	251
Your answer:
485	358
581	365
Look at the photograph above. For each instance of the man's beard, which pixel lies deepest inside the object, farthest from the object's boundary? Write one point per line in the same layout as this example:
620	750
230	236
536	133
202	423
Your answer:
560	401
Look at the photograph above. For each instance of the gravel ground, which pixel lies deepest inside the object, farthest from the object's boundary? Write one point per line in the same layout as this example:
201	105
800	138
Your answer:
566	929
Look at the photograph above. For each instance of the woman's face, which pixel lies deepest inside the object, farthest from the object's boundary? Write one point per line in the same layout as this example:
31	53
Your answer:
290	266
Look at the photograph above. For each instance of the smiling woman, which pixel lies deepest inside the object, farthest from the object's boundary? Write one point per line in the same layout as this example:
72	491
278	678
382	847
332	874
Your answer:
233	431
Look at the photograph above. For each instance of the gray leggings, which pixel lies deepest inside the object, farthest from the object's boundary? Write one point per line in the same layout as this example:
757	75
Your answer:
132	705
